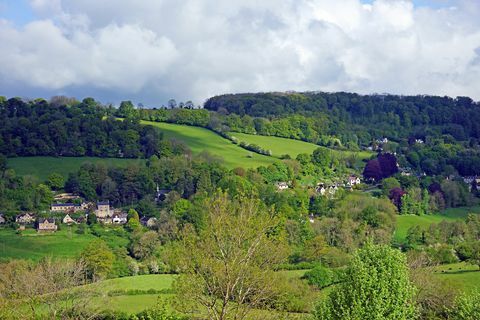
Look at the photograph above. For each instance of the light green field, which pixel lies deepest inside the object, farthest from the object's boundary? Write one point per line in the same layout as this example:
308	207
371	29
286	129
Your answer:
404	222
201	139
281	146
42	167
462	276
131	303
34	246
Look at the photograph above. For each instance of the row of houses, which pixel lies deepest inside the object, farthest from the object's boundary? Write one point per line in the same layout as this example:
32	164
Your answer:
324	188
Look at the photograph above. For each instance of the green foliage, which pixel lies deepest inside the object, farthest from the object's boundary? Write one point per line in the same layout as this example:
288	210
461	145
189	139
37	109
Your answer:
322	277
389	184
322	157
376	286
415	201
55	181
98	259
466	307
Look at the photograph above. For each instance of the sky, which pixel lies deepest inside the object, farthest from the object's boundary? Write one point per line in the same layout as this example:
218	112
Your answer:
149	51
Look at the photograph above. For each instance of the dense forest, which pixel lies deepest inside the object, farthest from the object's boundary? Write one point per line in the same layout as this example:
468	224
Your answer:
75	129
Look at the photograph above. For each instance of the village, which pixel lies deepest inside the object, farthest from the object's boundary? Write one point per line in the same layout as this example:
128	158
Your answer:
70	213
70	209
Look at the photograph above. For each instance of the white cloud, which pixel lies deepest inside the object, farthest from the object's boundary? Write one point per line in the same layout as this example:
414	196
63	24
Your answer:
192	49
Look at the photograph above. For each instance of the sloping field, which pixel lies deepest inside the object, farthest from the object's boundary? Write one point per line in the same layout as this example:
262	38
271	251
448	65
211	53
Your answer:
34	246
407	221
42	167
281	146
201	139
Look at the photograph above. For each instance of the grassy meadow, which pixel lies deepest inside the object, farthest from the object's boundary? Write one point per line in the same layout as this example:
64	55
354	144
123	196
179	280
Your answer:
404	222
31	245
281	146
42	167
201	139
462	276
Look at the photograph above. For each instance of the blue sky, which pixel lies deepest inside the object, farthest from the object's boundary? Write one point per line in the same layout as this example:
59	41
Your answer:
18	11
149	50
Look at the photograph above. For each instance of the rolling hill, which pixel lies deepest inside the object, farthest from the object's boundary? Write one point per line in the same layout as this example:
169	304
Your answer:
281	146
201	139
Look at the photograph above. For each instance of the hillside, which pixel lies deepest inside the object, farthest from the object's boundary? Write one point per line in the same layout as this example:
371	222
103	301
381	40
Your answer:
281	146
201	139
42	167
404	222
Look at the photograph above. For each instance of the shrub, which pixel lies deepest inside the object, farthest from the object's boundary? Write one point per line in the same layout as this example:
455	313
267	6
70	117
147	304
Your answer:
322	277
466	307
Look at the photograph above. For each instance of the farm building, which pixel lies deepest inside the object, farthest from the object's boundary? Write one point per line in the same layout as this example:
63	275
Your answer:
119	218
68	220
46	225
25	218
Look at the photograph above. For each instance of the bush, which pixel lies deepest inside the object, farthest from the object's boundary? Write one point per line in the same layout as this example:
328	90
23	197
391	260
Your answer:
322	277
466	307
442	254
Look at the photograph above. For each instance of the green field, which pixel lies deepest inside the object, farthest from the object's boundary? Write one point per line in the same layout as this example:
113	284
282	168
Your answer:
201	139
42	167
32	245
407	221
281	146
462	276
131	303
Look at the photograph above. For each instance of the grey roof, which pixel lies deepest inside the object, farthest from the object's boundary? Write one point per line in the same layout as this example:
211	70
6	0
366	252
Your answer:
103	203
65	205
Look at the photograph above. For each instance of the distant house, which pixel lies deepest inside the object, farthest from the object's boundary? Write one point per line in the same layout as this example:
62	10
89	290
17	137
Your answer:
353	181
161	194
321	189
282	185
46	225
104	212
119	218
326	190
148	222
25	218
2	219
68	220
469	180
65	196
68	207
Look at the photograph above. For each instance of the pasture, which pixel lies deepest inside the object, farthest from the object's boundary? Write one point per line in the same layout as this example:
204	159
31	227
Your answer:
201	139
42	167
404	222
31	245
462	276
281	146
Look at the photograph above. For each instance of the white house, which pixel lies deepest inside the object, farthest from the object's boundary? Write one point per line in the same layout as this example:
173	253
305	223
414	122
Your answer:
353	181
25	218
119	218
282	185
68	220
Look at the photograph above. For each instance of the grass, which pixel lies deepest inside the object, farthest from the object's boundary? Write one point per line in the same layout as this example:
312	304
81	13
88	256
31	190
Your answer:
281	146
131	303
201	139
462	276
405	222
42	167
34	246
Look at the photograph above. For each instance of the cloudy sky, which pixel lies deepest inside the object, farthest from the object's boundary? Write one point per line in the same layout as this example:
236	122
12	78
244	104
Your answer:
152	50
